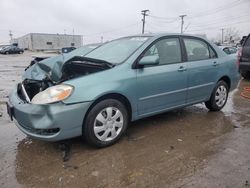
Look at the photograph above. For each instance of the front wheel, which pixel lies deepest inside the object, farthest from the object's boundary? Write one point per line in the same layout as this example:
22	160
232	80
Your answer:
218	98
105	123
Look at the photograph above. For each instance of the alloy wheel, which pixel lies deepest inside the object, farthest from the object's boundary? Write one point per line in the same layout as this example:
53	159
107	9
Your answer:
108	124
221	95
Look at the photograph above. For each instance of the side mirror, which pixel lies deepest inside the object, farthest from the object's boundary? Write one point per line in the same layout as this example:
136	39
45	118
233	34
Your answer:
149	60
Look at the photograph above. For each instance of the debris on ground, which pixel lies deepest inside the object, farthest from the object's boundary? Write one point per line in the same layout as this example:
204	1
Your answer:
95	173
65	148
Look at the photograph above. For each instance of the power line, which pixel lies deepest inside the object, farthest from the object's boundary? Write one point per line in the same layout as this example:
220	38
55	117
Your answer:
113	30
228	19
162	21
216	27
218	9
163	18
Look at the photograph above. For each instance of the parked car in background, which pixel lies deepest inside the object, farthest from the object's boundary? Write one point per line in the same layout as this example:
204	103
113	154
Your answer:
2	47
68	49
229	50
244	58
11	50
96	95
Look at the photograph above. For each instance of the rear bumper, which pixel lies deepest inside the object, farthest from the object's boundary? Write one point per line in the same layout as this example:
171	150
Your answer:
49	122
244	67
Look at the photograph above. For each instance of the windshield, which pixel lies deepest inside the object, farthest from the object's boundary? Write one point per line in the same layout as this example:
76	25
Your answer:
117	51
79	52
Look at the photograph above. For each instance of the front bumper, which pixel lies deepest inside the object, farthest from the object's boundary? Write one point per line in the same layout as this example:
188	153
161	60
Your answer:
49	122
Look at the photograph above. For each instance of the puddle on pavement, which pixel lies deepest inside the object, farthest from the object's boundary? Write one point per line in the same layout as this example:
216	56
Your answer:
158	149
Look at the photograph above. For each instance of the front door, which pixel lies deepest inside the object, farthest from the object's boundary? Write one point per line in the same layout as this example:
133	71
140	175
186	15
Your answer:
163	86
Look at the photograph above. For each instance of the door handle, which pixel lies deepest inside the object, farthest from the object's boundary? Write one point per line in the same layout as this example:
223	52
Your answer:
182	68
215	64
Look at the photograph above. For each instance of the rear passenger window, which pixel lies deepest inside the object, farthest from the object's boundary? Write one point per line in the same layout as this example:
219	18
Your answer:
197	50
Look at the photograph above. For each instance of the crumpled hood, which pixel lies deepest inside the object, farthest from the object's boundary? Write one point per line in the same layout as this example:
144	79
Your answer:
52	67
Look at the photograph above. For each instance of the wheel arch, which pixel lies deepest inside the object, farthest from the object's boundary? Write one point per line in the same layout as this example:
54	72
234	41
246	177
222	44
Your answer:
227	80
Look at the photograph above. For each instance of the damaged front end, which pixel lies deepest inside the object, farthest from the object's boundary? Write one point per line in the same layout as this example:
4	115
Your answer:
29	88
37	105
35	90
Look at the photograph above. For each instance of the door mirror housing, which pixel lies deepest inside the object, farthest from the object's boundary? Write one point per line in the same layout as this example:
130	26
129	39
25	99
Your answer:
149	60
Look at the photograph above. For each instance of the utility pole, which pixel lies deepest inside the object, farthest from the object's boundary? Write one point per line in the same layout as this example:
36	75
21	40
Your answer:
222	35
11	35
73	37
182	21
144	14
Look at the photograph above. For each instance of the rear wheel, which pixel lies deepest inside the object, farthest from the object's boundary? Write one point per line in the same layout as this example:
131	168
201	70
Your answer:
218	98
105	123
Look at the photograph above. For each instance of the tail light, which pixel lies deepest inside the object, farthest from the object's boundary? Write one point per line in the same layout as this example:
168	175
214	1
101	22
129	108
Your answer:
238	57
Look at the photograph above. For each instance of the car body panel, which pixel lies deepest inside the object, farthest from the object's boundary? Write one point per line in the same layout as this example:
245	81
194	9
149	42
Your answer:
160	87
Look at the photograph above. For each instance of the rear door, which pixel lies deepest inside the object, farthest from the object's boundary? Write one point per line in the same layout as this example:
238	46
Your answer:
202	67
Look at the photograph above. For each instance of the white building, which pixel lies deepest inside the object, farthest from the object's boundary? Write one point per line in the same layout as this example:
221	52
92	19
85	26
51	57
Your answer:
43	41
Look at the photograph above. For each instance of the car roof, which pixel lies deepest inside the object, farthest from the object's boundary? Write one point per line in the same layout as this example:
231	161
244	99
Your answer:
164	34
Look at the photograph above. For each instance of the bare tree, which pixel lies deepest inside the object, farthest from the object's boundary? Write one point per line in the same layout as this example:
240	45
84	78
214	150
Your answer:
232	35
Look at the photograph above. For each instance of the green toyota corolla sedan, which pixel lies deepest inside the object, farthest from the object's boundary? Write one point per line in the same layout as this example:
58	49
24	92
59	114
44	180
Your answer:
97	93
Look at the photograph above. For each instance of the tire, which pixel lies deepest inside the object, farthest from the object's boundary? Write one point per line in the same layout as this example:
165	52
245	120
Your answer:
245	75
219	96
105	123
6	53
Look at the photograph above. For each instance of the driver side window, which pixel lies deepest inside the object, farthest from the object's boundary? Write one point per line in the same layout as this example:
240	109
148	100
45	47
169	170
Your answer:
168	51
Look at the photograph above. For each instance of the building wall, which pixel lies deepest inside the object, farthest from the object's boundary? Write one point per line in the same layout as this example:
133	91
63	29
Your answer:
25	42
37	41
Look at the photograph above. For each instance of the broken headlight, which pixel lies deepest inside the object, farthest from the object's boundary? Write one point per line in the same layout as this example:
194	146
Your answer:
53	94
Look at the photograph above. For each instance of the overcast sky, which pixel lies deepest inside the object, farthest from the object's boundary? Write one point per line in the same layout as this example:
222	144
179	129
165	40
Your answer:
114	18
